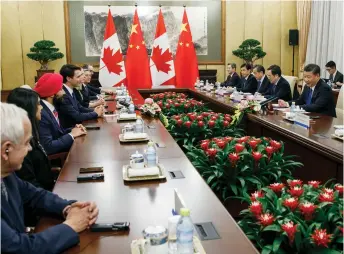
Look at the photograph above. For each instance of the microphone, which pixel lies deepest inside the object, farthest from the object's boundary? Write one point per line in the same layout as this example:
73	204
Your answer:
272	98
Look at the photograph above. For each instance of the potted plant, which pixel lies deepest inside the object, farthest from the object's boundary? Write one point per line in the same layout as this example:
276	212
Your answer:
250	50
44	51
297	218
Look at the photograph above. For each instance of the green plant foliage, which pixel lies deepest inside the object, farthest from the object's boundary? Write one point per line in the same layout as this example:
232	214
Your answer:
44	52
250	50
309	220
233	166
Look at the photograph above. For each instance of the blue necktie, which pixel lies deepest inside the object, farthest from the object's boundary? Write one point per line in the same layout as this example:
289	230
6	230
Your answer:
259	84
309	98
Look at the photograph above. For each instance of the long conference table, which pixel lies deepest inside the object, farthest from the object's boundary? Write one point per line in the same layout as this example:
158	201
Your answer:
140	203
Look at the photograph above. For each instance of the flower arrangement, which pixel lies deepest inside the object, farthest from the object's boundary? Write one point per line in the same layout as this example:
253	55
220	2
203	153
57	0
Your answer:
233	166
282	220
150	108
167	95
176	106
190	128
245	106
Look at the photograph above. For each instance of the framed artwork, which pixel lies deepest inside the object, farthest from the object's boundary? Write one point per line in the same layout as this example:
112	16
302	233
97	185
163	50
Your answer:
85	23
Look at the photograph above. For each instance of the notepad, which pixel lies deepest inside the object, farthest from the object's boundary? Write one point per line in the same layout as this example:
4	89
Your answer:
132	135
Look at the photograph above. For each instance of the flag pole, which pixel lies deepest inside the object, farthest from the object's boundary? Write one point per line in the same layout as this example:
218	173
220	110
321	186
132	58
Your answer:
135	4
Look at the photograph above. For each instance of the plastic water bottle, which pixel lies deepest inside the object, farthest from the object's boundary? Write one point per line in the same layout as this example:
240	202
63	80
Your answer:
151	155
292	108
131	108
139	125
206	83
185	230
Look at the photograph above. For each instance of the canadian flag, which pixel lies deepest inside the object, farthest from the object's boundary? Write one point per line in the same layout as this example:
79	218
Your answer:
111	67
161	61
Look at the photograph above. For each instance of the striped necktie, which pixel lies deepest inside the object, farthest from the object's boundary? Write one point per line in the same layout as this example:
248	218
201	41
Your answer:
56	115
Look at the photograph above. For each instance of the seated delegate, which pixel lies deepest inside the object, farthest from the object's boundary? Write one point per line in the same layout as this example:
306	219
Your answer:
15	193
317	95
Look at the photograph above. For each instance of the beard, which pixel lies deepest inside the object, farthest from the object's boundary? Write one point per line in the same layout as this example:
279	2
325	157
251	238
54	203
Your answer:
57	101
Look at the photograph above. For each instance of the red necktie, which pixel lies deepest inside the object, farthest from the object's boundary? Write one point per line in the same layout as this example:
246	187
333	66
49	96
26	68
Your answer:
56	116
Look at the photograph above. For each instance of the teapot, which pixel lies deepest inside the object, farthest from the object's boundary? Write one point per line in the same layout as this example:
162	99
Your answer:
137	161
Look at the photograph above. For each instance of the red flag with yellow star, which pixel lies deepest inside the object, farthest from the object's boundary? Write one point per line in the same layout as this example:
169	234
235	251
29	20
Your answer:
186	66
137	62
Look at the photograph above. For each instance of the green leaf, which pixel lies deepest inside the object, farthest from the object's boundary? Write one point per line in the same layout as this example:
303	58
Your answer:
234	188
324	251
267	249
272	227
276	244
298	240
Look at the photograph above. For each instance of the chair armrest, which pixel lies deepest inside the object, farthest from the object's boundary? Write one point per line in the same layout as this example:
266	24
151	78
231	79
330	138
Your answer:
61	156
56	169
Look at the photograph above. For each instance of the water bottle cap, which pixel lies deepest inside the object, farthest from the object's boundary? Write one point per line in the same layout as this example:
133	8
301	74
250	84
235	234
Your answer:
150	143
184	212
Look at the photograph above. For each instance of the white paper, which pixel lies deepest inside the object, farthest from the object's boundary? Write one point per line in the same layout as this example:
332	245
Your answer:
143	172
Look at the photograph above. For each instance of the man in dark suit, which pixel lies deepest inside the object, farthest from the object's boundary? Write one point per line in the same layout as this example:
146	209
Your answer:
317	95
15	194
52	135
280	87
263	82
70	110
233	78
335	76
249	83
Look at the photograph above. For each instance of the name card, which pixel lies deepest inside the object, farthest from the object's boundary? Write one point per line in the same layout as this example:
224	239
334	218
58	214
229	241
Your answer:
302	120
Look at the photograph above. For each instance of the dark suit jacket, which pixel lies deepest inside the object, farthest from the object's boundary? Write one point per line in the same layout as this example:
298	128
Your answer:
250	85
36	168
264	86
81	98
71	112
338	77
53	137
322	99
281	91
93	90
233	81
55	239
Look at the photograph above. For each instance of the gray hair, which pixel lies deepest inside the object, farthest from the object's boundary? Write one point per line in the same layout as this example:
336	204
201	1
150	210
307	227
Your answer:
12	118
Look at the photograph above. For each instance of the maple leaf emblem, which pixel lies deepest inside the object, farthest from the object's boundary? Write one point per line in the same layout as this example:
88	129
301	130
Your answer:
160	60
112	61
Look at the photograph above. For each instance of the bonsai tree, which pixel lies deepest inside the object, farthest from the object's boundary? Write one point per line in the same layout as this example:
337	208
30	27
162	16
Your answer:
44	52
250	50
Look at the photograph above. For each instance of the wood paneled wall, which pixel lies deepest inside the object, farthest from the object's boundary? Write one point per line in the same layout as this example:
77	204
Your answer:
25	22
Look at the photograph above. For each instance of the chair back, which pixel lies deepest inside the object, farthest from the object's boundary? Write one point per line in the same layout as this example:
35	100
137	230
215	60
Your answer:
292	81
340	104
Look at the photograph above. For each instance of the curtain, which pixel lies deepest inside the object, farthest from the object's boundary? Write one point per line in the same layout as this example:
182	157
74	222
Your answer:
325	39
303	13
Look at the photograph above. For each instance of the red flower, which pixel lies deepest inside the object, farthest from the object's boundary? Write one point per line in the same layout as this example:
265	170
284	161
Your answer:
199	118
187	124
256	194
213	118
192	117
290	229
276	145
276	187
167	105
225	123
205	114
211	124
257	156
269	150
179	122
212	152
328	191
205	145
307	209
228	118
256	208
221	144
187	105
227	139
239	148
253	144
291	203
314	184
189	114
296	191
176	105
266	219
339	188
243	139
160	104
233	158
200	124
293	183
325	197
321	238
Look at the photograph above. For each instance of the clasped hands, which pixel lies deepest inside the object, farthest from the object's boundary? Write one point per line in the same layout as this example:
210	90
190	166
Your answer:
78	130
283	104
81	215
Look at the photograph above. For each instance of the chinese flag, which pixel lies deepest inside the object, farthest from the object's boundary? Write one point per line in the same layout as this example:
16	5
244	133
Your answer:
111	67
137	62
186	60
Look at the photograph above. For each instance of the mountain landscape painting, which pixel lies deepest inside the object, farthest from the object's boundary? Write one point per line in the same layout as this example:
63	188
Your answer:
95	21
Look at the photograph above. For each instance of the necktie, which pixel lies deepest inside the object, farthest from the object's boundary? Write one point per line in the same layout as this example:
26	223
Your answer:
309	98
259	84
56	115
274	88
331	78
4	190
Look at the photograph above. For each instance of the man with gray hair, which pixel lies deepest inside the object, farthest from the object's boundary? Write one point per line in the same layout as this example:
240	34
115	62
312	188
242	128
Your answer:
15	193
